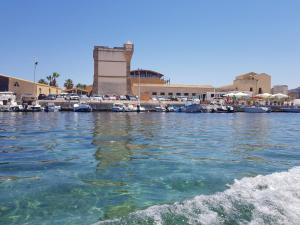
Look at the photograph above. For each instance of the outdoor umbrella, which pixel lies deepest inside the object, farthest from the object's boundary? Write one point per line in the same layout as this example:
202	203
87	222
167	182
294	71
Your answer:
229	95
264	95
279	95
241	95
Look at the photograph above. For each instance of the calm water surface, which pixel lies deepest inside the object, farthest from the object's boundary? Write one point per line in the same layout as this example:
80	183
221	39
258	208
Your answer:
149	168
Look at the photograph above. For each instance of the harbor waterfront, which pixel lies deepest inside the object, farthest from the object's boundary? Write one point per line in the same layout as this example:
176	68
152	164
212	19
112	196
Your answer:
149	168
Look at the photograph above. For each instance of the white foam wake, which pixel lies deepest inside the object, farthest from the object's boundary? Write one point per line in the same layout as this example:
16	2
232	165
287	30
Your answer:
270	199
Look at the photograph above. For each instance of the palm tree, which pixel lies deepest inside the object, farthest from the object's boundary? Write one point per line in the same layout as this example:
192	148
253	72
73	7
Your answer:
43	81
52	79
55	75
68	84
81	86
49	78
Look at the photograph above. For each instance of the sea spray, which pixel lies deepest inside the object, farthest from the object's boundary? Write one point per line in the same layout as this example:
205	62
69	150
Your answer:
271	199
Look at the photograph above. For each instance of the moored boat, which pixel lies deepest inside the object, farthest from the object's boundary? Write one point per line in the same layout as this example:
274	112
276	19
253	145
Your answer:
160	109
256	109
291	110
194	108
81	107
118	107
8	102
34	108
50	107
222	109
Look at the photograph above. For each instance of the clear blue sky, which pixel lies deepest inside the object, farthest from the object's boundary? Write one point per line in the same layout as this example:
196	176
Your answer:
197	42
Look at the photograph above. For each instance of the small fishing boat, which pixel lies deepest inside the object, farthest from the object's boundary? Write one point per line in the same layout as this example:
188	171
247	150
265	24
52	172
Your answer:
256	109
34	108
193	108
118	107
81	107
50	107
17	108
140	108
218	108
160	109
170	108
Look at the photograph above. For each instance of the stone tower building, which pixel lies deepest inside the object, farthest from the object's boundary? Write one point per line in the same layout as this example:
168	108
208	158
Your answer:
112	69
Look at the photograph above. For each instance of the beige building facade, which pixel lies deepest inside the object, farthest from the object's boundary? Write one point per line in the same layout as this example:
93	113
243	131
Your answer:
253	82
25	87
112	69
148	91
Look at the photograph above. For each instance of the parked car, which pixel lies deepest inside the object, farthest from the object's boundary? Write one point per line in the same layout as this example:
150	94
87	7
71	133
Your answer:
131	98
72	97
62	95
51	97
96	98
105	97
84	97
123	97
42	96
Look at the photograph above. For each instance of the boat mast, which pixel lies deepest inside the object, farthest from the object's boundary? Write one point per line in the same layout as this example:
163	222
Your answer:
139	102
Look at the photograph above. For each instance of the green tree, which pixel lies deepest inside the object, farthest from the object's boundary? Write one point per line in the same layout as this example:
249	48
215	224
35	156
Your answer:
43	81
68	84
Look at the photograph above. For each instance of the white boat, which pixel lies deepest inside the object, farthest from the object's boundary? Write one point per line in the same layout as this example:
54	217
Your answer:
140	108
160	109
219	108
82	108
118	107
34	108
256	109
50	107
170	108
8	102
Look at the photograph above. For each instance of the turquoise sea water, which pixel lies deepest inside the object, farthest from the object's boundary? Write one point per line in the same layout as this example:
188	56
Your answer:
149	168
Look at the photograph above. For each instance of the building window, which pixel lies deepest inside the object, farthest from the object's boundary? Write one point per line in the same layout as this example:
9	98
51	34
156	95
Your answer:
260	91
49	91
178	94
162	93
154	93
16	84
186	94
251	89
212	95
40	90
170	94
193	94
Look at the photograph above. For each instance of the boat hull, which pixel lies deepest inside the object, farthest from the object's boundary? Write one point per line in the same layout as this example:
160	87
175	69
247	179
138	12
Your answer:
257	110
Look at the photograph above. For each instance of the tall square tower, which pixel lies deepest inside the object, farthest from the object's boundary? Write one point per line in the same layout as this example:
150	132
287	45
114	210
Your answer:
112	69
